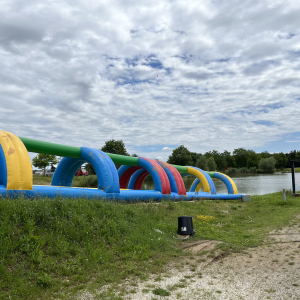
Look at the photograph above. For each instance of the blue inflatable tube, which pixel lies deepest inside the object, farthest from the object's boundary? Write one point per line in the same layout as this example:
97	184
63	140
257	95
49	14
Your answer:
124	195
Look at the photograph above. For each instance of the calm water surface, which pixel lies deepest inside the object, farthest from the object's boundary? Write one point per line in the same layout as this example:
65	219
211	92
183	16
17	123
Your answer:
252	185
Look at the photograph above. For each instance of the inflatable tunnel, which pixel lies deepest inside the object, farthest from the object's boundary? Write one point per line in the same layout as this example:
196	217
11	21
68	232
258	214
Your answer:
124	184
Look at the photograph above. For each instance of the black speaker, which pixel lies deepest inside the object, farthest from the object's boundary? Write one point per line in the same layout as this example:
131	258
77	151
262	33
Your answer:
185	226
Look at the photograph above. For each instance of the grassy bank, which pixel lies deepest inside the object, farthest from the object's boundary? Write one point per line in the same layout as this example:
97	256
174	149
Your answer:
62	246
288	170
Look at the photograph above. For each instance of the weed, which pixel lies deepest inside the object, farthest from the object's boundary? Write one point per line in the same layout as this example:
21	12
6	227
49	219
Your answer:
161	292
270	291
44	280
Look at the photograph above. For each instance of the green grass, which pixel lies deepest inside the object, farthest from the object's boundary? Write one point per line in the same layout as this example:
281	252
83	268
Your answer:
297	170
78	181
63	246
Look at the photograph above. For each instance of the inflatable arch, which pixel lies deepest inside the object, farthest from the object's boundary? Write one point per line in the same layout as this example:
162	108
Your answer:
160	179
105	169
125	184
15	164
231	187
203	177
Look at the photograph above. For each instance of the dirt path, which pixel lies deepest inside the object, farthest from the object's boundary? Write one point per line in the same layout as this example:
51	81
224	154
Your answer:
268	272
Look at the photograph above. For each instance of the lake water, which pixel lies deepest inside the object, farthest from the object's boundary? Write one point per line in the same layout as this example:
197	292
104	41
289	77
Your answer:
251	185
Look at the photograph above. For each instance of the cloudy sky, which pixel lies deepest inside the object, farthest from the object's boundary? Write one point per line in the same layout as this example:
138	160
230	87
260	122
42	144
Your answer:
204	74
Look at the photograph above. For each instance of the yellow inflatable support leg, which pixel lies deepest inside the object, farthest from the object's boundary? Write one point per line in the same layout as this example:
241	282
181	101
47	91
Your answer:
201	177
18	164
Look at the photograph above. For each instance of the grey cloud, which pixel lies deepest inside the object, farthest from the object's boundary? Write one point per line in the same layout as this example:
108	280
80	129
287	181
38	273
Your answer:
198	76
258	68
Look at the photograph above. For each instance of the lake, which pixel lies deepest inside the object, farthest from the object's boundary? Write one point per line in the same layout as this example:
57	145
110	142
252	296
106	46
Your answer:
251	185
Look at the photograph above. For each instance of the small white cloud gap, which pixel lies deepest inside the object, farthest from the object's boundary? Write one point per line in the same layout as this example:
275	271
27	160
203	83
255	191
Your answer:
167	149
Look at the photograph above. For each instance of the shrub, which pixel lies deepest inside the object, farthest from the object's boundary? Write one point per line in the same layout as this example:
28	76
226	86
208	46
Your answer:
267	165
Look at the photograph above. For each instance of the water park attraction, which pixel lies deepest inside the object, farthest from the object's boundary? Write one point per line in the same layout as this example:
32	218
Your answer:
16	177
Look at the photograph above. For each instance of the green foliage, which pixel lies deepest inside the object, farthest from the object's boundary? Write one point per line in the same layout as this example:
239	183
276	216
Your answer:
201	163
241	157
180	156
161	292
253	159
281	160
115	147
219	159
195	156
42	161
44	280
241	171
267	164
265	154
229	159
211	165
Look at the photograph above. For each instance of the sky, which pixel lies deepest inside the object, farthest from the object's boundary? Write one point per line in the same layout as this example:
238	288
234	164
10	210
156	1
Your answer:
209	75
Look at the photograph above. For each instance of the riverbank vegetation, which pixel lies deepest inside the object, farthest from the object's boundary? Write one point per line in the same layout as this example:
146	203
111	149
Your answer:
243	161
58	247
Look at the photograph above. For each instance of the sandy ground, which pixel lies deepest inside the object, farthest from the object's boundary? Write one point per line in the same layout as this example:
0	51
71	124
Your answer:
268	272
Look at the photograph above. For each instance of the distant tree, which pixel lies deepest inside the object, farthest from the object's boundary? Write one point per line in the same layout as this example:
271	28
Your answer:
219	159
267	164
280	160
195	156
241	157
115	147
265	154
229	159
180	156
42	161
201	163
211	165
134	155
253	159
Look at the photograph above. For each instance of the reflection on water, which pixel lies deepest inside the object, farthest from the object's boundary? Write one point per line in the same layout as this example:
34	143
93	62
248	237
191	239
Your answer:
252	185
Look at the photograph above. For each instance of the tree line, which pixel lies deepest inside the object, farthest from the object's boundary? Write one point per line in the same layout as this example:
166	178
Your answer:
239	158
210	161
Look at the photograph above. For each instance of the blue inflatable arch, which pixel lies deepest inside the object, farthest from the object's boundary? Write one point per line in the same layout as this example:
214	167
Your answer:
104	167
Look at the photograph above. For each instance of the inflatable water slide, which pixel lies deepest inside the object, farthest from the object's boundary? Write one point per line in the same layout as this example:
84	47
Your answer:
16	177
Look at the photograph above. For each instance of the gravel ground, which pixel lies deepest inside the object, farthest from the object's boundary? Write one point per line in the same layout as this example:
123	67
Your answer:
268	272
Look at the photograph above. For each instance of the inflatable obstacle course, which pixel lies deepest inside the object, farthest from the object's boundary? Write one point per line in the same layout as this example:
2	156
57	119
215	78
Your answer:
123	184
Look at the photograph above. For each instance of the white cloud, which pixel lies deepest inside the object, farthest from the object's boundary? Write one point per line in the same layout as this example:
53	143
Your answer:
189	73
167	149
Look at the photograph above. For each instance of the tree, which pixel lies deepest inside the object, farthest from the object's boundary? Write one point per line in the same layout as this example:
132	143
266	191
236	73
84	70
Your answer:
265	154
211	165
253	159
229	159
180	156
280	160
115	147
42	161
219	159
201	163
195	156
267	164
241	157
